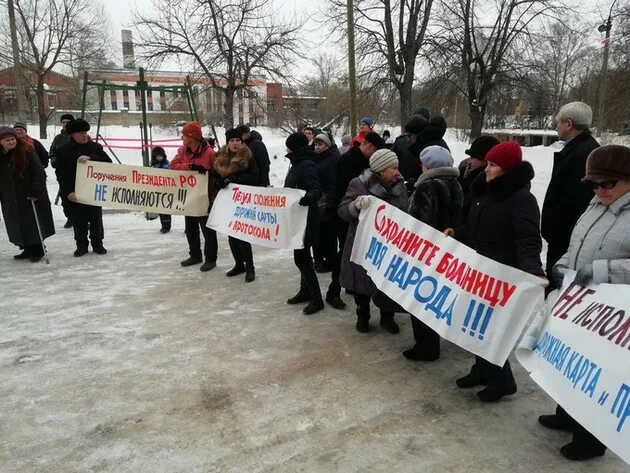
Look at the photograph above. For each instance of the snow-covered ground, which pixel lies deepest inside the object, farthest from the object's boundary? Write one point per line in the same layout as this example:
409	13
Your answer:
129	362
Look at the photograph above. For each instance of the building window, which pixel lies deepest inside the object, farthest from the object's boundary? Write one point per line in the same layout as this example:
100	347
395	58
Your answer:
113	100
52	101
126	99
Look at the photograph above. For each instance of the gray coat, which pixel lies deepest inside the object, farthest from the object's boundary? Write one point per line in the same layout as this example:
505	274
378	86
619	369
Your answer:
354	277
602	237
17	209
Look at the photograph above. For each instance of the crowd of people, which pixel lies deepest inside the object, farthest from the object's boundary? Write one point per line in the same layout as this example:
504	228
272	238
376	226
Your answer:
485	202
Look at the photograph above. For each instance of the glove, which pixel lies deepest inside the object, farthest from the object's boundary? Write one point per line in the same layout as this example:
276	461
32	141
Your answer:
361	202
584	275
221	182
199	168
35	196
305	201
557	274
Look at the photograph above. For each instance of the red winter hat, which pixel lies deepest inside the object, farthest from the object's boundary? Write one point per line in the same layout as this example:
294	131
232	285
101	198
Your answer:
506	155
193	130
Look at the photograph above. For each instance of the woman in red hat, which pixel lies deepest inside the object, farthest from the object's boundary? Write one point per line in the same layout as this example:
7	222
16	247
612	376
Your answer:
504	225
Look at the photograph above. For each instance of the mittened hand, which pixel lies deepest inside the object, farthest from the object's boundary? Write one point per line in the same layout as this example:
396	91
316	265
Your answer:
199	168
305	201
362	202
557	274
221	182
584	275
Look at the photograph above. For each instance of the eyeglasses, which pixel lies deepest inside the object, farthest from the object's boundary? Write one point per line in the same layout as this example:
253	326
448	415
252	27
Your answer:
606	185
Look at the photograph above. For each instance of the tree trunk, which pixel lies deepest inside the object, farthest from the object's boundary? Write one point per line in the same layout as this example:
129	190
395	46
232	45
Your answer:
405	90
477	115
41	108
228	107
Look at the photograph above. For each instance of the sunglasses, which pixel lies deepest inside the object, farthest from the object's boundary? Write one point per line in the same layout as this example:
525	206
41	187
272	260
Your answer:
606	185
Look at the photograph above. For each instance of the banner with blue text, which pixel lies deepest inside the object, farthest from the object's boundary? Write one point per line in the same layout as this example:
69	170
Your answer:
579	353
474	302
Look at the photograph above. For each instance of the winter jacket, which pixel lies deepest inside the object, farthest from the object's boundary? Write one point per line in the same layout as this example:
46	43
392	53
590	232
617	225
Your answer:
261	155
17	210
41	152
602	237
350	165
354	277
408	153
303	174
67	157
567	197
438	199
61	140
161	165
327	167
186	157
504	221
466	179
358	138
237	168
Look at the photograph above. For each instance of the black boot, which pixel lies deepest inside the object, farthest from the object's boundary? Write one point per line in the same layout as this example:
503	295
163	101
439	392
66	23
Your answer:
99	249
26	254
68	224
471	380
416	353
207	266
301	296
191	261
388	323
36	254
336	302
556	422
313	306
578	452
250	274
363	319
165	229
495	393
80	251
239	268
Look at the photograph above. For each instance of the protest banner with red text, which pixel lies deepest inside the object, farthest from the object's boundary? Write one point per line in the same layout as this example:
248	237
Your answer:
579	353
264	216
119	186
471	300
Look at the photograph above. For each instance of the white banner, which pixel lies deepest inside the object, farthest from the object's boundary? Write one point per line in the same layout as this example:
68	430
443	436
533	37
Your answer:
579	353
471	300
143	189
264	216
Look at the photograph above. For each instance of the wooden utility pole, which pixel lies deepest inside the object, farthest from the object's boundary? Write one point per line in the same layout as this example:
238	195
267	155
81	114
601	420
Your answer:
352	72
20	97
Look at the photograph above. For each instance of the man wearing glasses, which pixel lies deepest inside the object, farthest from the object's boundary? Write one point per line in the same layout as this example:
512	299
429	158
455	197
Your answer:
62	139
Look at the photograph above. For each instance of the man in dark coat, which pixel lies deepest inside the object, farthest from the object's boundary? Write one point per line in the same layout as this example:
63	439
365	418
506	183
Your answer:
62	139
254	142
567	196
303	174
22	180
38	148
84	217
473	167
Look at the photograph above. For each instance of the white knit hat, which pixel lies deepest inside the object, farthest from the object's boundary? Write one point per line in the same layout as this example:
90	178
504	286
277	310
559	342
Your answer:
324	138
382	159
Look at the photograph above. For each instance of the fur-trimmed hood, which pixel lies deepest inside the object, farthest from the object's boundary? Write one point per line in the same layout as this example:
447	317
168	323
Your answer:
226	164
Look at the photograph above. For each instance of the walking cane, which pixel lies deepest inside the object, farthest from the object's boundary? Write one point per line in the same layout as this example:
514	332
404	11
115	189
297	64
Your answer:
39	230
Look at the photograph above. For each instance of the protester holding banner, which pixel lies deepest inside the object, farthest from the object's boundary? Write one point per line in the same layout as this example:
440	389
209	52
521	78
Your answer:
197	155
235	164
22	180
59	142
437	201
504	225
599	250
160	161
381	180
84	217
303	174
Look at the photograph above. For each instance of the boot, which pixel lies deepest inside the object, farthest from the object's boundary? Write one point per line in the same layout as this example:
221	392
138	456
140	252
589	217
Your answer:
555	422
165	230
336	302
363	319
416	353
80	251
388	323
313	306
471	380
68	224
577	452
250	274
208	266
495	393
24	255
99	250
301	296
323	267
239	268
191	261
36	255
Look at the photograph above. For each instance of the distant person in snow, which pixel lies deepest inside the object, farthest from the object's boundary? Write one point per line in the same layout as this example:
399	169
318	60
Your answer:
39	149
59	142
159	161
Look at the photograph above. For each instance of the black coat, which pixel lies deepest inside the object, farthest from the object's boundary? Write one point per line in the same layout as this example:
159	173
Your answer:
67	157
408	153
303	174
261	155
438	199
466	180
351	164
567	197
504	221
17	210
61	140
41	153
327	167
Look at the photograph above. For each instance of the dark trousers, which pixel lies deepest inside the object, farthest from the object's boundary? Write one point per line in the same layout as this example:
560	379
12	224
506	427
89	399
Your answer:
325	248
87	218
363	307
211	247
494	375
165	220
554	253
581	436
308	277
66	205
426	338
241	252
341	230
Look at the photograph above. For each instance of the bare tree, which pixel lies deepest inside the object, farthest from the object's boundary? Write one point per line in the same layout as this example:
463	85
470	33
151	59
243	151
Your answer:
480	50
49	30
389	36
230	43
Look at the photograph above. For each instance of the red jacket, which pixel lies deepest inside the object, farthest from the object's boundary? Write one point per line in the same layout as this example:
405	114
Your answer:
359	137
185	157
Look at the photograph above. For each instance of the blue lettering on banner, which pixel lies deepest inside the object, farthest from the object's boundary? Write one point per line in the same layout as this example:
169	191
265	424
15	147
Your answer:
376	252
99	192
621	406
267	217
245	213
483	314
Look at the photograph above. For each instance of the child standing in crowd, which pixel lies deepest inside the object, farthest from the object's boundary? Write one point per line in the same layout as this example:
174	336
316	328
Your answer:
159	160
